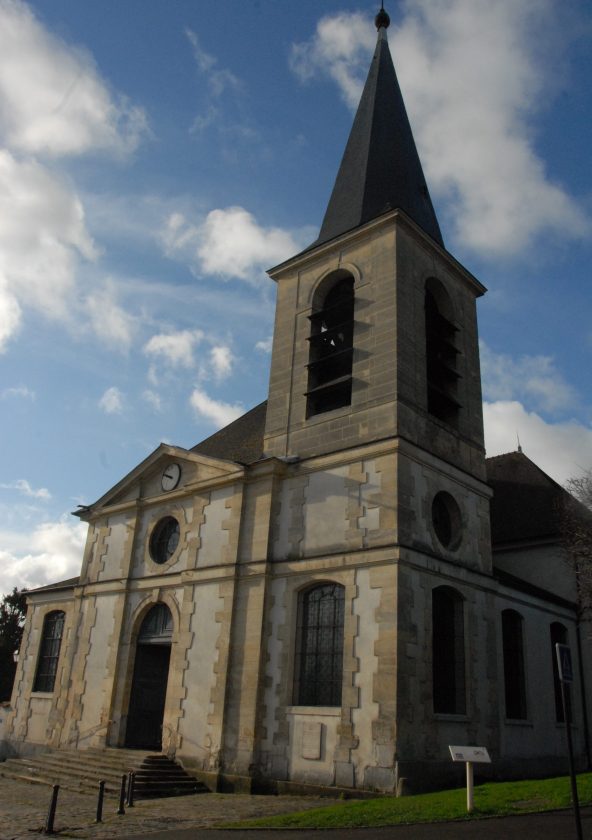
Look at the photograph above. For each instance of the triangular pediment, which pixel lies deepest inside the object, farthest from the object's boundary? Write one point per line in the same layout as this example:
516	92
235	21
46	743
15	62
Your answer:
166	472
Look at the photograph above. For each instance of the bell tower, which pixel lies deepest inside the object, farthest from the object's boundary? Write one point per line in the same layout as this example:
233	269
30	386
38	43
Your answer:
375	404
376	333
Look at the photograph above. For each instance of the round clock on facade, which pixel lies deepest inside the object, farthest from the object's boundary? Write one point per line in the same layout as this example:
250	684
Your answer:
171	477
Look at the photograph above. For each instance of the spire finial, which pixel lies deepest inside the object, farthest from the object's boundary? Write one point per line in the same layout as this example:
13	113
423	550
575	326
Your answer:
382	20
519	446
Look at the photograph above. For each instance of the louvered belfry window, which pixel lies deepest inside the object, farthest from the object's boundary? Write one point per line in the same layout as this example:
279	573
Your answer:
331	349
319	646
441	354
49	651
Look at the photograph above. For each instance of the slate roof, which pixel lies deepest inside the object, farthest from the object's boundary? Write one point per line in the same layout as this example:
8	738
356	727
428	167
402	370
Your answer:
380	170
524	503
525	500
240	441
523	507
69	583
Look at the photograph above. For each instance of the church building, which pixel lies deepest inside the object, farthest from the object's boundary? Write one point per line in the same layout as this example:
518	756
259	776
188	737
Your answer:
338	585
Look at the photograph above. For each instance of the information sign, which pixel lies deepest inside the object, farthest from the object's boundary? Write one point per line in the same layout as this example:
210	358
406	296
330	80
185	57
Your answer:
476	755
470	756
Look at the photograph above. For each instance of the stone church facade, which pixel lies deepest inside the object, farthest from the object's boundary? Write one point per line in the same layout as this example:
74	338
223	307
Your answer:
314	594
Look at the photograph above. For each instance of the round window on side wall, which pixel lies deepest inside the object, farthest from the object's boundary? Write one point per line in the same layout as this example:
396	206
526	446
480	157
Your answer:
447	520
164	539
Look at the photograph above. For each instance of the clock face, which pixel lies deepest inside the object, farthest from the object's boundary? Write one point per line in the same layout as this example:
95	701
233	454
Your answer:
171	477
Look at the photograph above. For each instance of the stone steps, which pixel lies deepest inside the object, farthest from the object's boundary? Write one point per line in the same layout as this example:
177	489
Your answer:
156	775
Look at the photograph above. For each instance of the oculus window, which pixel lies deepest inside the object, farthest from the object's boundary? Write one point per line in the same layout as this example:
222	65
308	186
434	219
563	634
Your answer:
49	651
319	646
164	539
447	520
331	346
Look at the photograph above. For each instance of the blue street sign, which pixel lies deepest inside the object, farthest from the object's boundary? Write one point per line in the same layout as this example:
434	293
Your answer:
564	663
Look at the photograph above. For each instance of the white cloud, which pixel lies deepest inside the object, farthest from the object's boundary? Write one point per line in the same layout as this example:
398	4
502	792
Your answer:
227	243
42	237
265	346
218	413
53	102
534	378
205	120
152	376
52	552
222	361
560	449
473	75
204	60
20	391
152	398
175	348
112	401
23	486
10	315
340	47
52	99
222	102
219	79
111	323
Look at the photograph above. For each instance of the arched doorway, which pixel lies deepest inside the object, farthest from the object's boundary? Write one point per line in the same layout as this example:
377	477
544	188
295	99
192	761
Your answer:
149	684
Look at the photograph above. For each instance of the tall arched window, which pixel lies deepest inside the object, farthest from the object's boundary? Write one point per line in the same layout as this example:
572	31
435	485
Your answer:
319	646
49	651
559	636
331	346
514	680
448	651
441	353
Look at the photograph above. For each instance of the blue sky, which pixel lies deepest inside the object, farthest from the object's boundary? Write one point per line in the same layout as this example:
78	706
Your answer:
156	157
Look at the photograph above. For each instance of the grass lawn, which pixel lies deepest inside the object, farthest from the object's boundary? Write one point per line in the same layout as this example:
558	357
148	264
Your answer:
492	799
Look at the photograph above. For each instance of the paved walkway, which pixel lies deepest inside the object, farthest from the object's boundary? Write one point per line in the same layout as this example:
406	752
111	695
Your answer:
23	810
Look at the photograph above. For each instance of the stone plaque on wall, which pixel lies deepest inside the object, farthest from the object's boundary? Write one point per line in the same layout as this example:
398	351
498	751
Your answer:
312	736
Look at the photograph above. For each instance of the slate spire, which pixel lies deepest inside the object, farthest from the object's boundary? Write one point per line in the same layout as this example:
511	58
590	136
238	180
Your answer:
380	169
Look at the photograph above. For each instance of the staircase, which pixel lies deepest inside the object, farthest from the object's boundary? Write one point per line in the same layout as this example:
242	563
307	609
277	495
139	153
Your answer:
81	770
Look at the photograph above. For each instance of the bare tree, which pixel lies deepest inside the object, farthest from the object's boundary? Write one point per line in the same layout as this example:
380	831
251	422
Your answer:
575	519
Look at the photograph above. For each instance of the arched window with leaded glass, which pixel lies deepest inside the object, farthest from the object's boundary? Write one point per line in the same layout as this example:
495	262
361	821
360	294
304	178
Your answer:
49	651
319	646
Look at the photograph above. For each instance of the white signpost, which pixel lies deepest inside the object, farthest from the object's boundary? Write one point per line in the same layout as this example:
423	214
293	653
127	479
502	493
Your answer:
470	755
